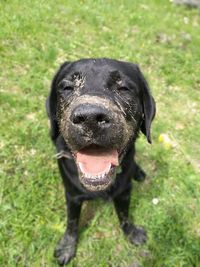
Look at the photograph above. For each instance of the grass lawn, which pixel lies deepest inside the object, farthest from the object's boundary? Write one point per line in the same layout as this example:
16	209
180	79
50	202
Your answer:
36	36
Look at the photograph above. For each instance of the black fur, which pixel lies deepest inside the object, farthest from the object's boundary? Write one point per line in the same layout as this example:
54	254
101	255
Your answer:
120	191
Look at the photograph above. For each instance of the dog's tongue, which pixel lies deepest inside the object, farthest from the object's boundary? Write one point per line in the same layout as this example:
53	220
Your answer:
96	161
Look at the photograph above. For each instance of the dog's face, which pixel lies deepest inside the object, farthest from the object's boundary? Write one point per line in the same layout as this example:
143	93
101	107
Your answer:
99	107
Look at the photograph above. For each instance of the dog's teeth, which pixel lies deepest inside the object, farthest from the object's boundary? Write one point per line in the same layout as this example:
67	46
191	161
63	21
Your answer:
95	177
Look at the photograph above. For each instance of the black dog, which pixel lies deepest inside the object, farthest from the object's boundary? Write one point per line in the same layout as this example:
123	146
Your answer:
97	108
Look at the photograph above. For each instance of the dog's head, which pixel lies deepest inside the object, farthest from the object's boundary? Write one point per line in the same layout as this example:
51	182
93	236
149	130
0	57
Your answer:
99	106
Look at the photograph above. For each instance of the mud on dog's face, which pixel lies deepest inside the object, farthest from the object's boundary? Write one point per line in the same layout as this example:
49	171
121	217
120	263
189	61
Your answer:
99	107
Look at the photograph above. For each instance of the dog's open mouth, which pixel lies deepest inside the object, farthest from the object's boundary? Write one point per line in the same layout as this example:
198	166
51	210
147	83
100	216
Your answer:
96	166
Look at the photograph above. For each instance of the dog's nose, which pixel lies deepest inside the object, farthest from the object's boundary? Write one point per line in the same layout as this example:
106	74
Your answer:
87	114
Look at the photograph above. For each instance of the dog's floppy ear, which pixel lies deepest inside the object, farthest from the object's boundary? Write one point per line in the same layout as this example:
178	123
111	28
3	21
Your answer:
51	103
149	107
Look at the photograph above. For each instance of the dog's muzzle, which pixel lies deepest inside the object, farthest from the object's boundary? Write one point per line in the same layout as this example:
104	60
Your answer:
95	163
96	133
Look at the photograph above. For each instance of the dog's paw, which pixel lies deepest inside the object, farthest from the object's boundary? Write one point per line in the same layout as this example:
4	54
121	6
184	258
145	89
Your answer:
65	251
139	175
137	235
64	255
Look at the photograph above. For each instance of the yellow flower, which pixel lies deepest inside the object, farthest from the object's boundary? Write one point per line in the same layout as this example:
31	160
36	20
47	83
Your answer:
166	141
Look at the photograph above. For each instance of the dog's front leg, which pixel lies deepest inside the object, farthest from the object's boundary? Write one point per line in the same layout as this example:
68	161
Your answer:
66	248
136	235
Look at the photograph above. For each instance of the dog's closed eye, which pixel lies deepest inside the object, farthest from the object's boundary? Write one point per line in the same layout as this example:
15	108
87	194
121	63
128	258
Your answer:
123	89
66	85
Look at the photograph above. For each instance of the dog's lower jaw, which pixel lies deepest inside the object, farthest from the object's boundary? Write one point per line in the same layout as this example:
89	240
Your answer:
97	188
98	183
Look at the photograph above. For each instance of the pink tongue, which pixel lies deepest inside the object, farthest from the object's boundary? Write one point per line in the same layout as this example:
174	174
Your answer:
96	161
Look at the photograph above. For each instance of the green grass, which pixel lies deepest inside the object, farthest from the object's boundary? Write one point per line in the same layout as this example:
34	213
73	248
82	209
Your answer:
36	36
